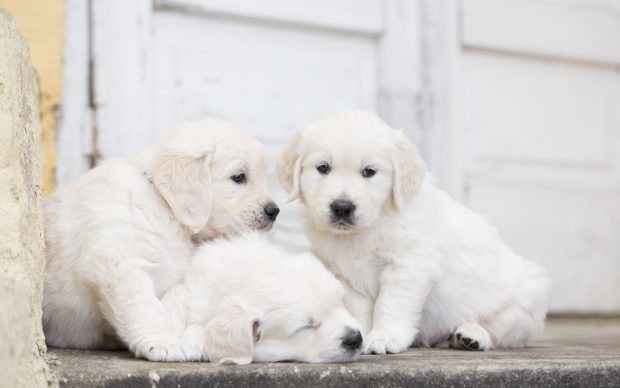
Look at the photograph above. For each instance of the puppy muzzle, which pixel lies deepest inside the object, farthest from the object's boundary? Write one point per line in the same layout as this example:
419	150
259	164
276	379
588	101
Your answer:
342	214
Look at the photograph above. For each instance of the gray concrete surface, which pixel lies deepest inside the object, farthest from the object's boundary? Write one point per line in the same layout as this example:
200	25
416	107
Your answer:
570	353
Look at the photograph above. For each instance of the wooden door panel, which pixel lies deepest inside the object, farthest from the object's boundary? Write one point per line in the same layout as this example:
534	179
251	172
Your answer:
582	30
540	111
540	102
267	78
572	231
360	16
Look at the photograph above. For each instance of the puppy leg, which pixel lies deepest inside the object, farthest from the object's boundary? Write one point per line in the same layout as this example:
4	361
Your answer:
471	336
513	325
360	307
523	316
176	301
130	305
398	308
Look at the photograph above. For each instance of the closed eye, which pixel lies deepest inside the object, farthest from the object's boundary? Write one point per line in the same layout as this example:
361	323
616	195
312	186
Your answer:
311	325
304	328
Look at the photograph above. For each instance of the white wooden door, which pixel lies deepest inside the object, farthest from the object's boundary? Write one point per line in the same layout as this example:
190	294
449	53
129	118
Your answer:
514	103
534	101
268	66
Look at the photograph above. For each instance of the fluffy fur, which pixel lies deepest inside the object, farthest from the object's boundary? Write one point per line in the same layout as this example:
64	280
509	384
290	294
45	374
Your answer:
123	233
417	264
246	300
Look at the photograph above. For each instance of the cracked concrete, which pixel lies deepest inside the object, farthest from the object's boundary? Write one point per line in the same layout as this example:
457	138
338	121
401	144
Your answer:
571	352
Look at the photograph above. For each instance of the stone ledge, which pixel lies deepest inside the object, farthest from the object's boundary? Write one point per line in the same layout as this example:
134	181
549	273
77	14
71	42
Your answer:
22	261
570	352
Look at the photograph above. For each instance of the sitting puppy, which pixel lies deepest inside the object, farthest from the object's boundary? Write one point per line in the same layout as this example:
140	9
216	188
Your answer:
123	233
418	264
246	300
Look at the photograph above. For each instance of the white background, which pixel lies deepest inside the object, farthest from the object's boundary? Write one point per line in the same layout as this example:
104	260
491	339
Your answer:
515	104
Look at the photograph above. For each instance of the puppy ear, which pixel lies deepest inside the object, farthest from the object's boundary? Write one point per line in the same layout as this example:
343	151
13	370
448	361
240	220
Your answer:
409	171
288	167
230	336
185	184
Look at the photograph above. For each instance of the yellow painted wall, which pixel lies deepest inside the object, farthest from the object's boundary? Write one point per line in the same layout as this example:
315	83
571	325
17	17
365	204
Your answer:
42	24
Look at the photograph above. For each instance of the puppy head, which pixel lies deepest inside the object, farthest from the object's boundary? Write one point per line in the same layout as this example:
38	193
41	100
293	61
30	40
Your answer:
295	312
213	178
347	167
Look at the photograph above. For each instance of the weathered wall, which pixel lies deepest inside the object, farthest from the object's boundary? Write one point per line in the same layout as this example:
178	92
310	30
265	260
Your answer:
42	24
22	262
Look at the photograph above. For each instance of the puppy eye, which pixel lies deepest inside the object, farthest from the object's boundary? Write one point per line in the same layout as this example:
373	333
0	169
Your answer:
239	178
367	172
323	168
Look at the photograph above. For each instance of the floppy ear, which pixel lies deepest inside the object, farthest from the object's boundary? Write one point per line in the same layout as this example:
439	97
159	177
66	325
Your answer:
231	334
288	167
409	171
185	184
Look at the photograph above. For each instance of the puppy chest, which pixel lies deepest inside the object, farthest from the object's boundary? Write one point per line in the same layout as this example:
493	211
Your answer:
362	273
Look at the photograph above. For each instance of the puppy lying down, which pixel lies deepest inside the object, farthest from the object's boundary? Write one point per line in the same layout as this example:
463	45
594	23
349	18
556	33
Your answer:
418	265
245	300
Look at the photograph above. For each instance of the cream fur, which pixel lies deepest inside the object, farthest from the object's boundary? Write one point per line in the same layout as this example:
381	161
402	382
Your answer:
246	300
418	265
121	235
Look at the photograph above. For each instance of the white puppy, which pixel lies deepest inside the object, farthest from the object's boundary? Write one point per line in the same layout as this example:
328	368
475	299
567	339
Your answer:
246	300
123	233
418	264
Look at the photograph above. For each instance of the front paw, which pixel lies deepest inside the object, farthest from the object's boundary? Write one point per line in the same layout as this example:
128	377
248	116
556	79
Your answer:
170	352
380	342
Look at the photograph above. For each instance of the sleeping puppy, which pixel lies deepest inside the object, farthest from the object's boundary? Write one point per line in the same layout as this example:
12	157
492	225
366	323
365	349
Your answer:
123	233
418	265
246	300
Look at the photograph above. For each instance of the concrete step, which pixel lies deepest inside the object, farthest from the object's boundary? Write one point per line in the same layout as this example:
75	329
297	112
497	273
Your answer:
570	353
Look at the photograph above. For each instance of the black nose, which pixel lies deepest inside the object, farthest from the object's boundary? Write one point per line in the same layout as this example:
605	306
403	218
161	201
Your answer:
353	340
342	208
272	210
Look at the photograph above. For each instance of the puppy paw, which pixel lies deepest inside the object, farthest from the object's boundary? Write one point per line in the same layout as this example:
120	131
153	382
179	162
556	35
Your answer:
379	342
471	337
170	352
